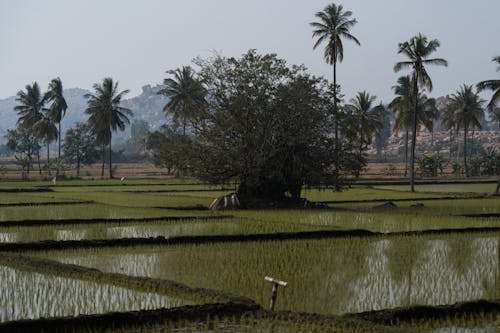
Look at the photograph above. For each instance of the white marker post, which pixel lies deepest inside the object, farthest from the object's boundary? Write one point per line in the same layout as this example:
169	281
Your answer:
276	283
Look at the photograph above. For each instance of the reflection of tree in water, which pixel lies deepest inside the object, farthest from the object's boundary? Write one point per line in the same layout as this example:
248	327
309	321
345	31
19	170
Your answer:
348	262
404	255
461	254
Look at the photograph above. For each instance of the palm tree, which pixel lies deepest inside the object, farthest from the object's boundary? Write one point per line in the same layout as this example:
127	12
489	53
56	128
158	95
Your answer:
493	85
46	129
187	96
402	105
334	25
105	113
449	123
368	118
418	49
29	109
57	108
468	114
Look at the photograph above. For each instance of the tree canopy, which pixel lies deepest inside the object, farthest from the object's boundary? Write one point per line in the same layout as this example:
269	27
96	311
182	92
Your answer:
267	127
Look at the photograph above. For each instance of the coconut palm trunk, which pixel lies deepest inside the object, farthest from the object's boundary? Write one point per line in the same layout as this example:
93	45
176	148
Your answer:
48	159
103	159
466	168
110	158
414	134
407	138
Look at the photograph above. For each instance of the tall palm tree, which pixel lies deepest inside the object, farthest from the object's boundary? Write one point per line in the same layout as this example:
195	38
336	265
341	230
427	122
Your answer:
493	107
105	113
187	96
468	107
29	109
368	118
418	49
57	108
333	26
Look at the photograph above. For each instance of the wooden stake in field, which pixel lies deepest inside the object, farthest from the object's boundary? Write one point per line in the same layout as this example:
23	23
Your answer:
276	283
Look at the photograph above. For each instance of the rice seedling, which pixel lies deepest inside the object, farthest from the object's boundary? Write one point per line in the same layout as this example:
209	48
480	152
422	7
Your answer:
86	211
361	193
29	295
433	207
445	188
330	276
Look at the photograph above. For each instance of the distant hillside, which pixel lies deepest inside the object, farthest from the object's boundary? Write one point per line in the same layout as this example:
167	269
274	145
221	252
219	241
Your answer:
147	106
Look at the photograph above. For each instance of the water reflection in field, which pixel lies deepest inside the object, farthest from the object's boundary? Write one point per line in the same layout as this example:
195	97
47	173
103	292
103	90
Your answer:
28	295
326	276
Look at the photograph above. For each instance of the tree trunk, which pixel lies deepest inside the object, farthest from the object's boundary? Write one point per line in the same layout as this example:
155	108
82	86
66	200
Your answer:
406	152
103	160
336	120
77	164
59	150
110	165
48	159
414	134
466	168
38	161
451	143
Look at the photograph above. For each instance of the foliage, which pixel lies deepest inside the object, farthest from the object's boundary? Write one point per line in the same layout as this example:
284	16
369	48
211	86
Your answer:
171	150
486	164
417	50
493	85
106	115
187	96
429	165
80	146
467	114
58	107
267	127
24	144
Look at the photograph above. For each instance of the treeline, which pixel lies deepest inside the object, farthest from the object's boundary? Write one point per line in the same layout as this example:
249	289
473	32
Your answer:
269	126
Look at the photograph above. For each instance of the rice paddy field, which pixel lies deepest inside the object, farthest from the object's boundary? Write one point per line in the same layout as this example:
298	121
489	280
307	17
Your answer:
147	256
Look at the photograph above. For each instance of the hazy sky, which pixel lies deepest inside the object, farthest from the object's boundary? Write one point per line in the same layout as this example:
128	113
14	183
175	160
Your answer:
135	42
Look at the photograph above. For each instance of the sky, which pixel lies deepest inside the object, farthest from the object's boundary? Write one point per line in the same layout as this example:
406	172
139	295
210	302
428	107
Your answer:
135	42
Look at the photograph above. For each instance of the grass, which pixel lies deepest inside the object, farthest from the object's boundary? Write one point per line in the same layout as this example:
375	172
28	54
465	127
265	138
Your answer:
326	276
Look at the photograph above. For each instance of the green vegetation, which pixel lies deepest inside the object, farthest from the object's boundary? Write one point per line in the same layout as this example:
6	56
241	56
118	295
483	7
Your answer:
343	275
29	295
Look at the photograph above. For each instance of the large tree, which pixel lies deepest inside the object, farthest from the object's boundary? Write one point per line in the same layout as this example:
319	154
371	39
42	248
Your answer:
469	113
80	146
57	107
24	144
186	96
333	26
267	128
418	50
105	113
